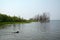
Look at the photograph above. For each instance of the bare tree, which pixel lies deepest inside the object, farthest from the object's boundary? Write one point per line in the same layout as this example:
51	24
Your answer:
42	18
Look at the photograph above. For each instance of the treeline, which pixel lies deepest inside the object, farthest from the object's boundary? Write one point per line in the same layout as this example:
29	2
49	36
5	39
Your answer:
41	18
6	18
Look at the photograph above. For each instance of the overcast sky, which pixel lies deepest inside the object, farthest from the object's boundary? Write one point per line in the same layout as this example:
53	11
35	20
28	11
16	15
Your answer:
29	8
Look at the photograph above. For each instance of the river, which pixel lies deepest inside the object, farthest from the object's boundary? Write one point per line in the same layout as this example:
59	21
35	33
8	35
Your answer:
31	31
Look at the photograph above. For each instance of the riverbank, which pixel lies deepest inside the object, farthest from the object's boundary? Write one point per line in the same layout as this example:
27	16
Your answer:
3	23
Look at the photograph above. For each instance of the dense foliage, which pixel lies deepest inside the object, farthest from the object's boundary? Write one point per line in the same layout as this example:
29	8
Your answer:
6	18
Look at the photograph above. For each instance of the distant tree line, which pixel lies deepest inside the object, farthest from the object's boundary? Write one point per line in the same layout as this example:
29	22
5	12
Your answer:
6	18
41	18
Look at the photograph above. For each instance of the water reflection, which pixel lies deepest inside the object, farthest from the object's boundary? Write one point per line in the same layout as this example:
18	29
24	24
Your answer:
16	27
44	27
31	31
3	26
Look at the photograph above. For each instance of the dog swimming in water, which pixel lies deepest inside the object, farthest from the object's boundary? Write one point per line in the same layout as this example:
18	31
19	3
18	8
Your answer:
16	32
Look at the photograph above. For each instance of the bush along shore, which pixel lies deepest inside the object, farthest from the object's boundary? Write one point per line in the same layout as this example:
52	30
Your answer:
5	19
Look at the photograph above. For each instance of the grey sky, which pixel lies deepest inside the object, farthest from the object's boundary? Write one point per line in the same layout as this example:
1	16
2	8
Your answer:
30	8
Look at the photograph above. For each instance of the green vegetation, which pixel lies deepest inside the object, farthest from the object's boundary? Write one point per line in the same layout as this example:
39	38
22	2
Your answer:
5	19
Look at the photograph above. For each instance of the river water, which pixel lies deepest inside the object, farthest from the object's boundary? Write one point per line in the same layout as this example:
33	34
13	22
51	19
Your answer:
31	31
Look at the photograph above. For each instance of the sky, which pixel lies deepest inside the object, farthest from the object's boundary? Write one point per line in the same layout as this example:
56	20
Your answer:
29	8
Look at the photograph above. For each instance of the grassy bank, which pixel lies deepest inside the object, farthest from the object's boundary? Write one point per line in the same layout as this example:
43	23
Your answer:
3	23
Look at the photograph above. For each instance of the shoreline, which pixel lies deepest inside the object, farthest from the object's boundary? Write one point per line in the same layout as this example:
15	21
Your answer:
3	23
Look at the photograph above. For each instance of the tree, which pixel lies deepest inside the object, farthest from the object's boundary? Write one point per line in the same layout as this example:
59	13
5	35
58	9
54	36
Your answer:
42	18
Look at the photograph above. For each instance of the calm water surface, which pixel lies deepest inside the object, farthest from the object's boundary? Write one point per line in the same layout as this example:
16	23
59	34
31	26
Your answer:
31	31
